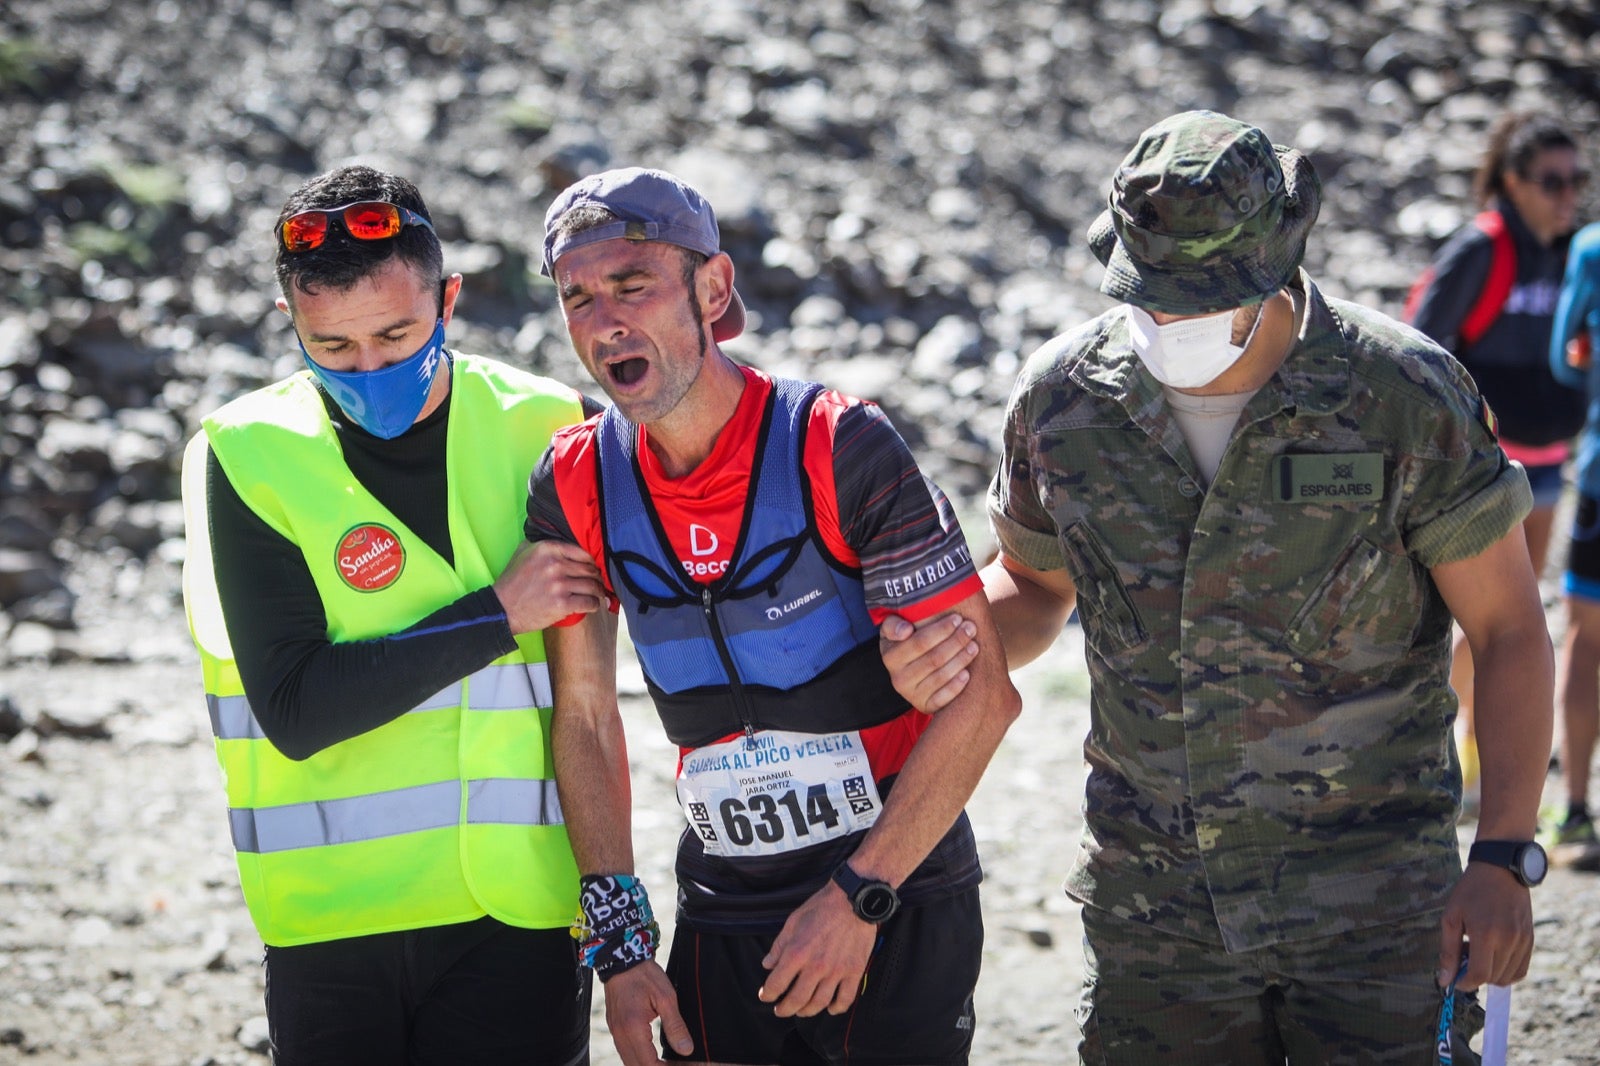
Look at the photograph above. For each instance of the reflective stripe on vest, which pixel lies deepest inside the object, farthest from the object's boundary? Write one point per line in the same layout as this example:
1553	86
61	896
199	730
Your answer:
494	688
490	801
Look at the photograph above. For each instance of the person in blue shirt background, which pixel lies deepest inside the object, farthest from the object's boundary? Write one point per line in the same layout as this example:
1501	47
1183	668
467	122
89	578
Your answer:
1576	321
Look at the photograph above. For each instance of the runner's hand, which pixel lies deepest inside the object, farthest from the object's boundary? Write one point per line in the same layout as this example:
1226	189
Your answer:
928	663
634	999
1490	908
547	582
819	959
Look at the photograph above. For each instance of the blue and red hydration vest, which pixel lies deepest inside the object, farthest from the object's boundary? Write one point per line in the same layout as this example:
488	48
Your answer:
782	639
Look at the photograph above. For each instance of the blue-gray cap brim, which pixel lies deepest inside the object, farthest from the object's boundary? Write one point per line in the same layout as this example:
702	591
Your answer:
650	205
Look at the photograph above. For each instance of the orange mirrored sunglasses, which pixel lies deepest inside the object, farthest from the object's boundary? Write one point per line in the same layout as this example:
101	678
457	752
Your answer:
369	220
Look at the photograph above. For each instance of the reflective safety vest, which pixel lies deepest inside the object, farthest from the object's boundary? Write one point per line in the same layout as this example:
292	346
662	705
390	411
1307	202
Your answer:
783	639
448	812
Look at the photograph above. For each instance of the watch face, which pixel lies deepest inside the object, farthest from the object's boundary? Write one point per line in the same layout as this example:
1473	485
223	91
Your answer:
1534	864
875	903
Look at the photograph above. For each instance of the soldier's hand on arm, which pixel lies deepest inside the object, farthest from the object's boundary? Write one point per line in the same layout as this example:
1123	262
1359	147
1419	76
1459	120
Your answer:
928	662
547	582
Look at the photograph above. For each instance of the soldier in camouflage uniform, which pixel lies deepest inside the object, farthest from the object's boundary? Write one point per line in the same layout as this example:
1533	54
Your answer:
1266	547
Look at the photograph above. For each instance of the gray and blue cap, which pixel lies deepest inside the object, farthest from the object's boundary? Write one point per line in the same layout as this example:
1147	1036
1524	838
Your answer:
1205	215
649	205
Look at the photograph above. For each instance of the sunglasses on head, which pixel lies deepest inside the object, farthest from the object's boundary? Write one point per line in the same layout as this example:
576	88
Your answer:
369	220
1553	184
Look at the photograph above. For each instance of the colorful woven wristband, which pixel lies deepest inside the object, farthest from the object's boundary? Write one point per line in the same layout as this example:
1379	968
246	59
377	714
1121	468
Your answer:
616	929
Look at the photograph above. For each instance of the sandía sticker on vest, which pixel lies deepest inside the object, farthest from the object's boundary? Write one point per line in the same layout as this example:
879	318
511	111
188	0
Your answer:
777	792
370	557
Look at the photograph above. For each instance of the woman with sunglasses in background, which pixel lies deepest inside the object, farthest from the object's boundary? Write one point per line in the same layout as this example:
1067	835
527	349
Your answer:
1490	298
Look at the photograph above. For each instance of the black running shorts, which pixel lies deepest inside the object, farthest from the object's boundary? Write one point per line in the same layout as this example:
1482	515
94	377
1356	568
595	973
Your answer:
1582	579
915	1010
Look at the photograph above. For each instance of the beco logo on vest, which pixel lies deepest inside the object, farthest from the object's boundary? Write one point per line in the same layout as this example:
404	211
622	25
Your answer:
370	558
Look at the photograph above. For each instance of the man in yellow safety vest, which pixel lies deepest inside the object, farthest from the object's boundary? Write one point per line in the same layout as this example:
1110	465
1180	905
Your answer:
373	665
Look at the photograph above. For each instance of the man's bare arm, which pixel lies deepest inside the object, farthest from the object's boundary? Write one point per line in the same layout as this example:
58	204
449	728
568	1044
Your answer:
1494	597
591	757
591	752
1030	607
945	765
818	960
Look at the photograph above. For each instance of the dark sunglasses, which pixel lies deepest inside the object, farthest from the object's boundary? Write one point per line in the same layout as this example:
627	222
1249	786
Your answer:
1552	184
369	220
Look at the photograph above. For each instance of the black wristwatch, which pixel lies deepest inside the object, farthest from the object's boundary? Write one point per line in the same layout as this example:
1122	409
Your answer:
873	901
1524	858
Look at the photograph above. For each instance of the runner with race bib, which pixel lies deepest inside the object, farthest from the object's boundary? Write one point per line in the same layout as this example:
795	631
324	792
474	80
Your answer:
755	531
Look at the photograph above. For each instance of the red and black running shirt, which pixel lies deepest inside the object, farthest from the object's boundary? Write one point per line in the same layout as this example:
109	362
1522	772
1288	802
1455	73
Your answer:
874	510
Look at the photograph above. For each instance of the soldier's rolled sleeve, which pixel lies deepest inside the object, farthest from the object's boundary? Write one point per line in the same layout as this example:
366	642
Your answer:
1030	547
1022	527
1475	522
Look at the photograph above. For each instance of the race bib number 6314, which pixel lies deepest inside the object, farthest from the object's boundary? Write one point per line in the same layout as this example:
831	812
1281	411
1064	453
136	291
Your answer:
777	792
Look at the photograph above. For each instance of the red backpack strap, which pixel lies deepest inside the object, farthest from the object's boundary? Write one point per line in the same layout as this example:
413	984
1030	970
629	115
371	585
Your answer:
1502	274
1414	294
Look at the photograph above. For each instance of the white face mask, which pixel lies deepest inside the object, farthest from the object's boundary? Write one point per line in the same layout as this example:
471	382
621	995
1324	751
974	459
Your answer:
1188	353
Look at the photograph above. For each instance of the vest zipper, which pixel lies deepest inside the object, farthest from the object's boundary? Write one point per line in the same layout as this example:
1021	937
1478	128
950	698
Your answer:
735	684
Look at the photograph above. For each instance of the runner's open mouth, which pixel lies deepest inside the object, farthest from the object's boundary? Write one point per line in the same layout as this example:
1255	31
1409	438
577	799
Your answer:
627	371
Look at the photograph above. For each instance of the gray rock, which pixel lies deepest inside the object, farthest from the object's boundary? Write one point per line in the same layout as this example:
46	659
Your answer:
85	721
19	344
53	608
24	747
951	342
30	641
253	1035
114	359
25	574
11	720
139	526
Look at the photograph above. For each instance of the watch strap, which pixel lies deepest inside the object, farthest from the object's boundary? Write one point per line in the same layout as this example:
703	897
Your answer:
848	880
1507	854
873	901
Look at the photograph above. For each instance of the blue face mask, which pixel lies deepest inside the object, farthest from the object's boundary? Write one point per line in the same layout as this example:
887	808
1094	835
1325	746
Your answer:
385	402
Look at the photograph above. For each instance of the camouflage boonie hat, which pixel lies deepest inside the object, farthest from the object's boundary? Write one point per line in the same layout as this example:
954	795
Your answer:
1205	215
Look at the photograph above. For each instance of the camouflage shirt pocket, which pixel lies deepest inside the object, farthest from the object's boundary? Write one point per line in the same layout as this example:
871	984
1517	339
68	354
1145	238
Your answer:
1363	614
1103	602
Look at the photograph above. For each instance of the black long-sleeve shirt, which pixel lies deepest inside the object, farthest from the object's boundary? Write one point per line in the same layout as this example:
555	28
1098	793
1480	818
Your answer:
1509	362
306	691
